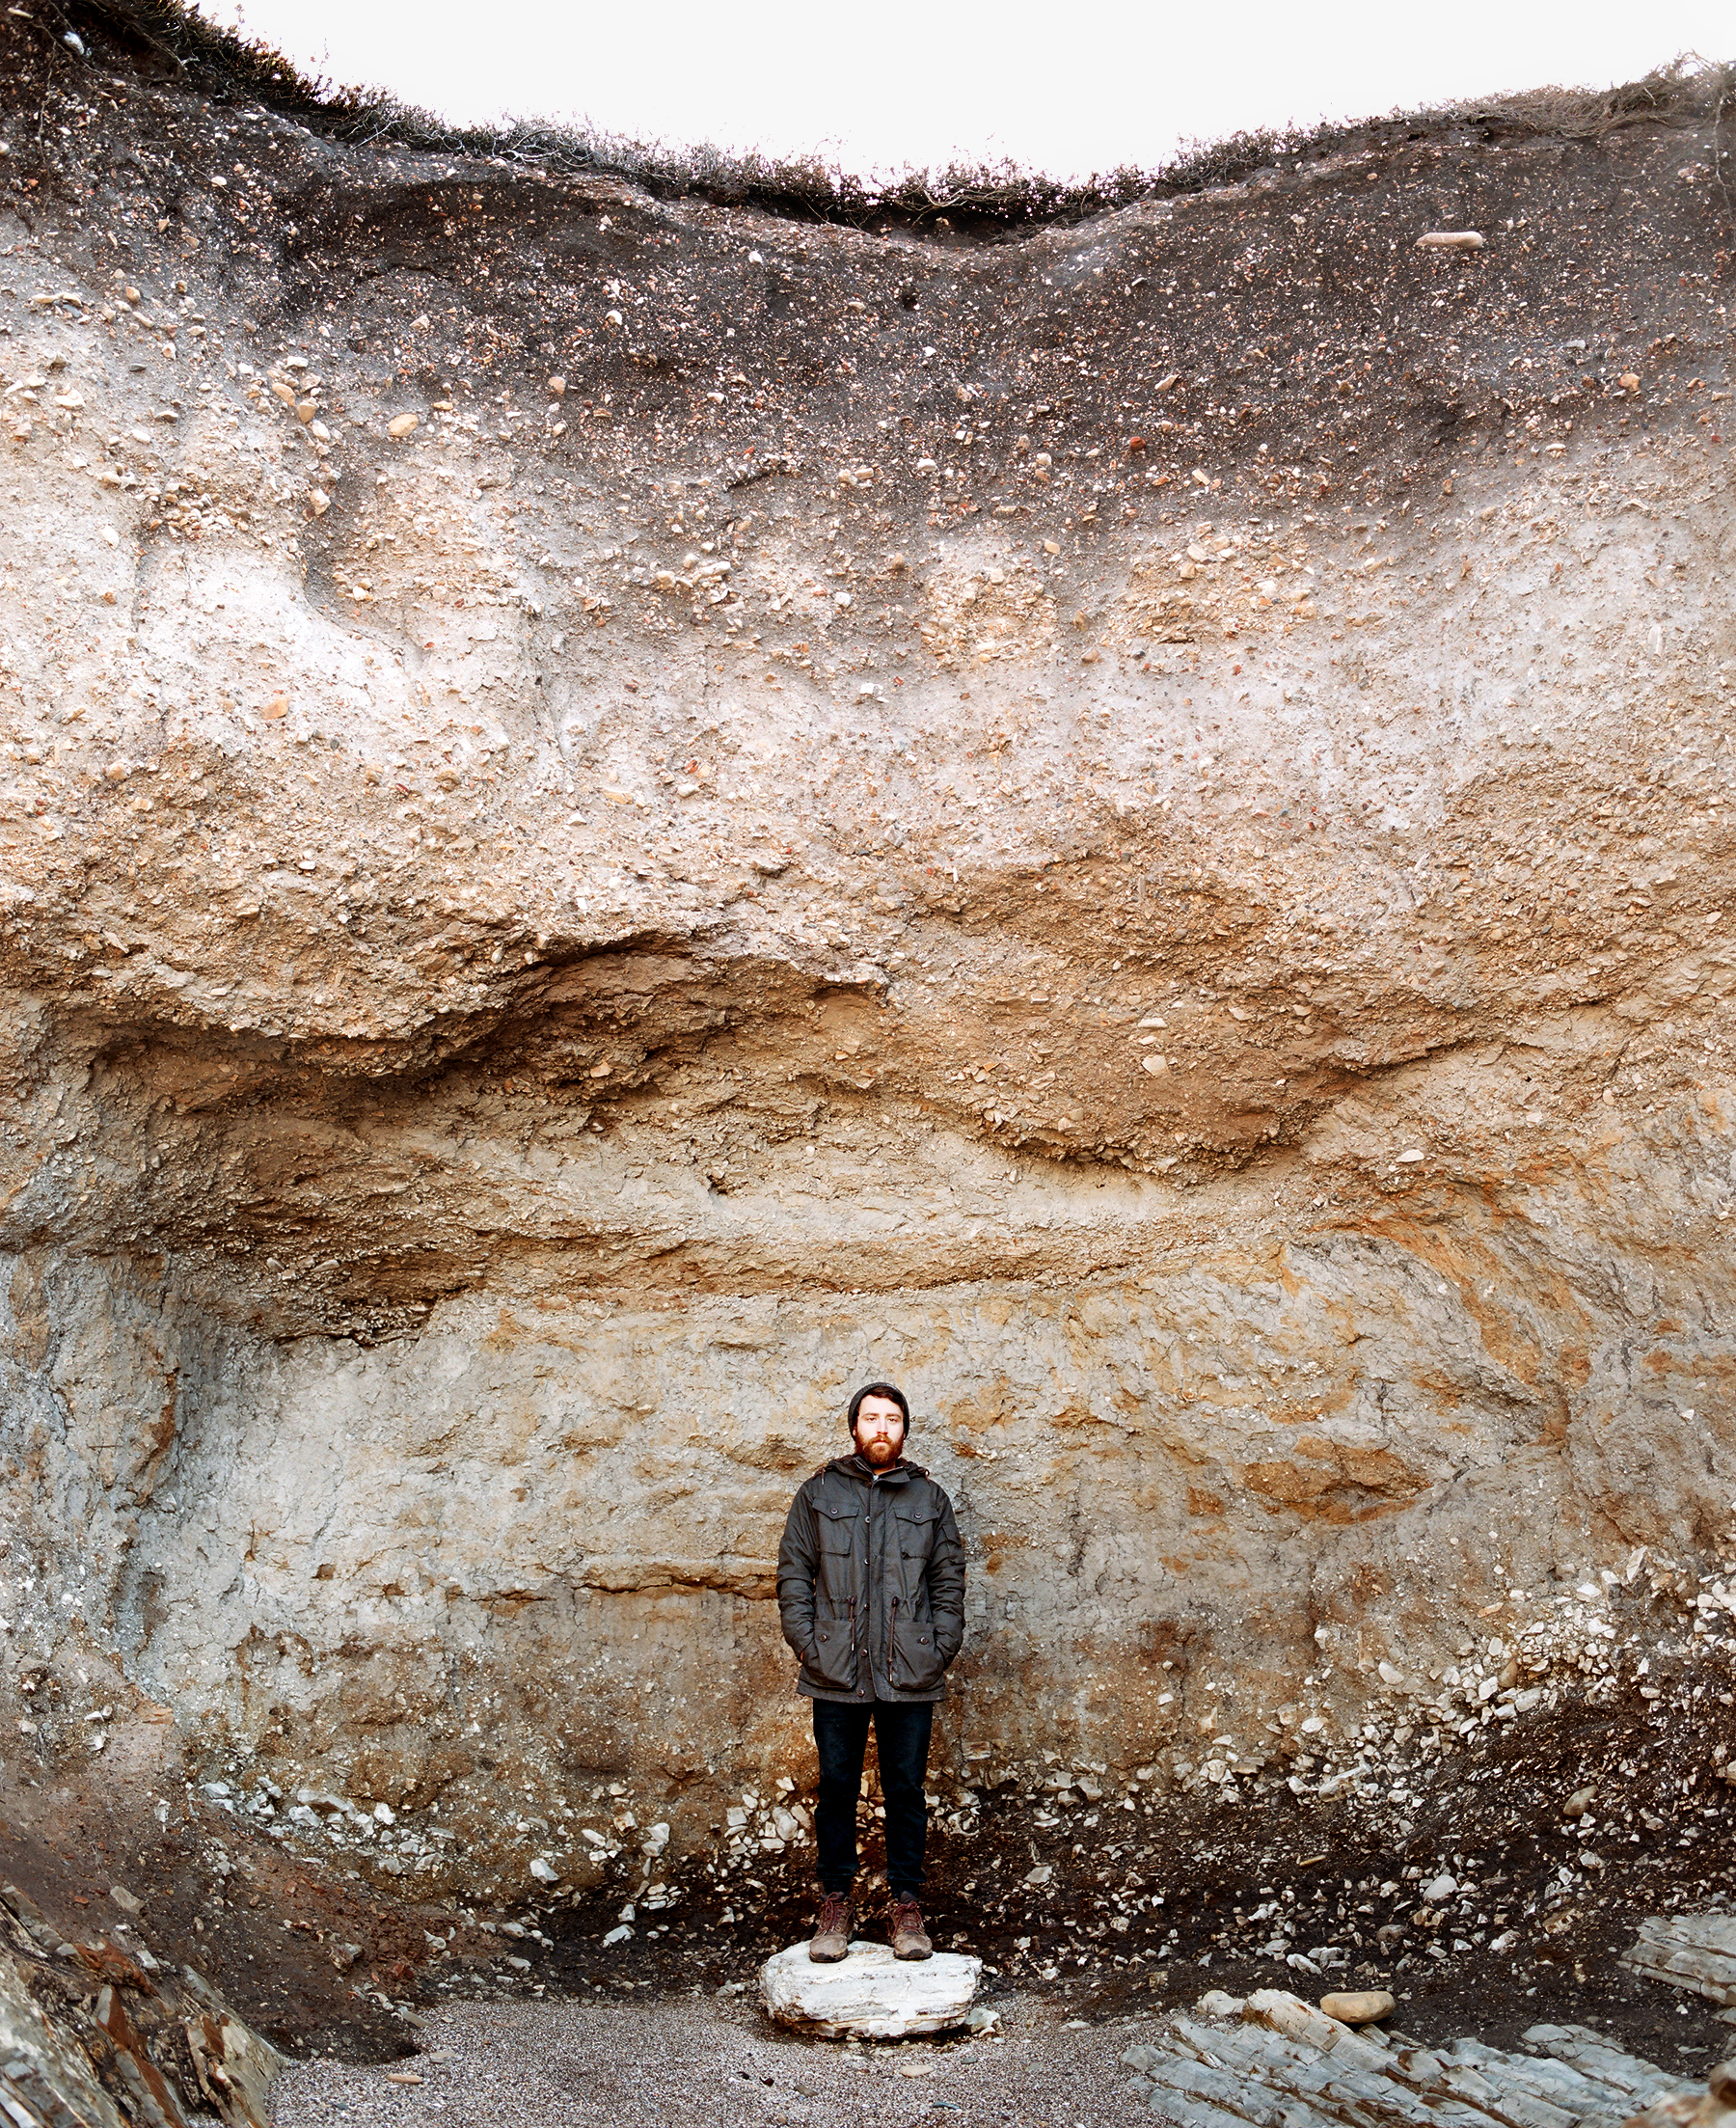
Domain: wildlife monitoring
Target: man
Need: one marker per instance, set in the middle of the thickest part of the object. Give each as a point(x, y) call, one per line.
point(871, 1594)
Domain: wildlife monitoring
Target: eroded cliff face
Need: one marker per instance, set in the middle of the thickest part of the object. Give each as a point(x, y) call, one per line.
point(622, 814)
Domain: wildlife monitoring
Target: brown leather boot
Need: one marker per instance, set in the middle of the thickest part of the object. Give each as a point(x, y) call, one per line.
point(909, 1939)
point(831, 1935)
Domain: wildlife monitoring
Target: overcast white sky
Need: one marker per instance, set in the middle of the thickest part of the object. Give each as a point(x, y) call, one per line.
point(888, 83)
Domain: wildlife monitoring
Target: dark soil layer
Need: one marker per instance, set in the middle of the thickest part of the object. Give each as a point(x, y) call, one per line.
point(1285, 339)
point(1658, 1838)
point(323, 1965)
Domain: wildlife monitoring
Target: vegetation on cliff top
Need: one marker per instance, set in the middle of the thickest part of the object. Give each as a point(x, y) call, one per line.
point(171, 37)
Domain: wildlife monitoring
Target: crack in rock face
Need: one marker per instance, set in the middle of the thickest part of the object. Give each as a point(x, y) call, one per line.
point(621, 814)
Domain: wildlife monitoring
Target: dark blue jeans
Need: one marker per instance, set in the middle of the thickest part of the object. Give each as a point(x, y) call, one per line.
point(901, 1730)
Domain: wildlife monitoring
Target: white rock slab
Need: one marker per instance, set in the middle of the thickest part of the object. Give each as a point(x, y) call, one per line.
point(868, 1995)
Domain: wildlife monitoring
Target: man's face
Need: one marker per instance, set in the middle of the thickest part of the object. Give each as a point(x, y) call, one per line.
point(880, 1431)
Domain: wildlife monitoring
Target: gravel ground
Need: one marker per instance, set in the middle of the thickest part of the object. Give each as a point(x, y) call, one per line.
point(713, 2061)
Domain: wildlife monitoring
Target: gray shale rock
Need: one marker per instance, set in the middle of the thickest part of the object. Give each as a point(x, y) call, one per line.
point(1692, 1950)
point(1715, 2108)
point(90, 2037)
point(1284, 2065)
point(44, 2077)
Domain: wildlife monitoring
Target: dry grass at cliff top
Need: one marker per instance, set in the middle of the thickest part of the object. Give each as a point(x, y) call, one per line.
point(962, 198)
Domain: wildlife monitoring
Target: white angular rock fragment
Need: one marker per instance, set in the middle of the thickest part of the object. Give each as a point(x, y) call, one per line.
point(869, 1994)
point(1217, 2003)
point(1439, 1889)
point(1691, 1951)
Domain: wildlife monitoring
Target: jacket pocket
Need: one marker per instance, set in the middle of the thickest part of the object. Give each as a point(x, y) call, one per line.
point(917, 1664)
point(831, 1656)
point(836, 1571)
point(834, 1528)
point(915, 1529)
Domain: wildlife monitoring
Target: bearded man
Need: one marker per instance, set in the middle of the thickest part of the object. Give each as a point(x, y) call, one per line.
point(871, 1597)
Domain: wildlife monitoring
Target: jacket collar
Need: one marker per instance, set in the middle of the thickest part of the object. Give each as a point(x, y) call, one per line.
point(852, 1466)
